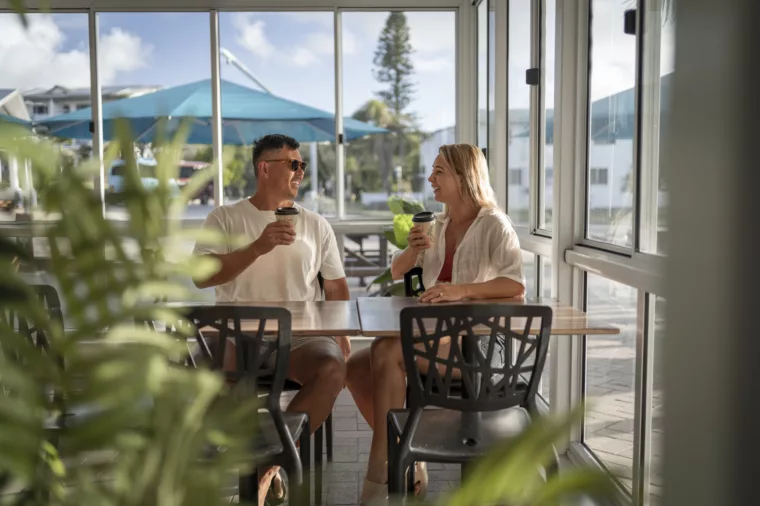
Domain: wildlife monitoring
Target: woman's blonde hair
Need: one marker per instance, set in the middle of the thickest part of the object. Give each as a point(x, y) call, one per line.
point(469, 164)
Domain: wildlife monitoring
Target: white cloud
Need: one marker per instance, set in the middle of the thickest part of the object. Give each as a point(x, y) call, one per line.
point(432, 64)
point(302, 57)
point(250, 35)
point(313, 48)
point(35, 57)
point(121, 51)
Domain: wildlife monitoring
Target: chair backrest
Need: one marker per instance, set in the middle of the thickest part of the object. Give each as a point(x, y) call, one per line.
point(261, 352)
point(490, 362)
point(409, 289)
point(48, 296)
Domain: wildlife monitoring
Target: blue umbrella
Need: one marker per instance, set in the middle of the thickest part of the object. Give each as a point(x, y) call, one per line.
point(4, 118)
point(247, 114)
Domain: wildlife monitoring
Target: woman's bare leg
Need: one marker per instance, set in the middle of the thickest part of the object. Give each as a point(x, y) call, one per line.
point(389, 392)
point(359, 383)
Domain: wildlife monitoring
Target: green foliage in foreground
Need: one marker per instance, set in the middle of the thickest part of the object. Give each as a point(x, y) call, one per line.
point(164, 423)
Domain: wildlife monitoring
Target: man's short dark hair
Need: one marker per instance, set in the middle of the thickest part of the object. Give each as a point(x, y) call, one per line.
point(268, 143)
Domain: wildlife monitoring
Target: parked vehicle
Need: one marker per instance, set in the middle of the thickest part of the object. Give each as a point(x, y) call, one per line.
point(147, 167)
point(187, 169)
point(10, 198)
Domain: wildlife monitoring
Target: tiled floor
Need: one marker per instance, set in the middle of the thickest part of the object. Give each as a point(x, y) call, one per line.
point(343, 478)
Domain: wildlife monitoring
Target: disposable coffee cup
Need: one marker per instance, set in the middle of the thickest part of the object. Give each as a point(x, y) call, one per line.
point(288, 214)
point(425, 220)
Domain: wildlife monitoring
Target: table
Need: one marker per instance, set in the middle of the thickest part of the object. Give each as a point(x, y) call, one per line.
point(308, 319)
point(379, 316)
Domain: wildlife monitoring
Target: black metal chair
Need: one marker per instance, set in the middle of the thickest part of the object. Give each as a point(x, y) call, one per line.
point(261, 356)
point(489, 403)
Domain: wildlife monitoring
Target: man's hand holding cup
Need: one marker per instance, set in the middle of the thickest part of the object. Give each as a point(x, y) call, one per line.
point(278, 233)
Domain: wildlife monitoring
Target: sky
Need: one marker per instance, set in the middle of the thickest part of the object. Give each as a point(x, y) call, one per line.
point(292, 54)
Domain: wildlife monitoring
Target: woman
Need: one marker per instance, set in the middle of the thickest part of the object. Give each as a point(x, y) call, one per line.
point(474, 254)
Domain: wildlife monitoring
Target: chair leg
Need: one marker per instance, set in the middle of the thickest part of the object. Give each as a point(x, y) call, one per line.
point(395, 463)
point(318, 467)
point(305, 451)
point(329, 436)
point(248, 487)
point(410, 479)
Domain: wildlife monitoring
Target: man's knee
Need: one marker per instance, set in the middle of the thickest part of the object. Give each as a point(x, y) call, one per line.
point(330, 373)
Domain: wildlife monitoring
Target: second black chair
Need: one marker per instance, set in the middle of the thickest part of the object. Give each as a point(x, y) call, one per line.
point(492, 401)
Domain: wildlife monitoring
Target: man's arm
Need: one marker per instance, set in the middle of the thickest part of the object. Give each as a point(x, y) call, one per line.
point(337, 289)
point(232, 264)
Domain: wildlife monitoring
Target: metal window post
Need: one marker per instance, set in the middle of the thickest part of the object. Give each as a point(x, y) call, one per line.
point(467, 71)
point(499, 151)
point(216, 110)
point(570, 101)
point(340, 169)
point(96, 100)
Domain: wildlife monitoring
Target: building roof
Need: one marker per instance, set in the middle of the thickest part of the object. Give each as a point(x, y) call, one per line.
point(62, 91)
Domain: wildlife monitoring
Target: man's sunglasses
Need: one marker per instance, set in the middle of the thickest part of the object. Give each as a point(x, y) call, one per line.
point(294, 164)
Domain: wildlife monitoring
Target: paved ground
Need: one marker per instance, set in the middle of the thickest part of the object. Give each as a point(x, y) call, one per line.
point(610, 385)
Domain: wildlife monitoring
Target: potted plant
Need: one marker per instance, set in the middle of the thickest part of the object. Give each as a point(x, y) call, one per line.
point(403, 210)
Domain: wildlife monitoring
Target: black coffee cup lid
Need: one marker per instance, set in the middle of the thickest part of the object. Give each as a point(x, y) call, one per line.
point(424, 216)
point(286, 210)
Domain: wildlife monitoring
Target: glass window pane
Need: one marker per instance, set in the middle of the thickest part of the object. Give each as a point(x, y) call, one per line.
point(146, 59)
point(546, 221)
point(546, 291)
point(611, 125)
point(266, 50)
point(531, 273)
point(519, 112)
point(610, 364)
point(658, 402)
point(546, 277)
point(419, 112)
point(44, 72)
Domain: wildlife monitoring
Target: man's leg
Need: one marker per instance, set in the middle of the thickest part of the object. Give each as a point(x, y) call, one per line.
point(321, 371)
point(319, 368)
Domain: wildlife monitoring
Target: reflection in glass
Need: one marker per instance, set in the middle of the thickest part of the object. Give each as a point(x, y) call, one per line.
point(667, 67)
point(611, 125)
point(610, 361)
point(519, 112)
point(658, 403)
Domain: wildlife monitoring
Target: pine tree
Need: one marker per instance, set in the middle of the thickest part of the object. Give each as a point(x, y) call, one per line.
point(394, 67)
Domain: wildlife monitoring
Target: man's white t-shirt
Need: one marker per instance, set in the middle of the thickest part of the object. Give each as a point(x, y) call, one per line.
point(287, 273)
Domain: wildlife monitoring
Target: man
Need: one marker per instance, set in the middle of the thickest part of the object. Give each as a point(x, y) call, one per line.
point(281, 263)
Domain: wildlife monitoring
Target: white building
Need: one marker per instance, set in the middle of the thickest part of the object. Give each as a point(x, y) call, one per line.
point(47, 102)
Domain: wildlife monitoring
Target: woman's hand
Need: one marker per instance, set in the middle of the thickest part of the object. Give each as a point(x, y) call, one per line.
point(418, 241)
point(445, 292)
